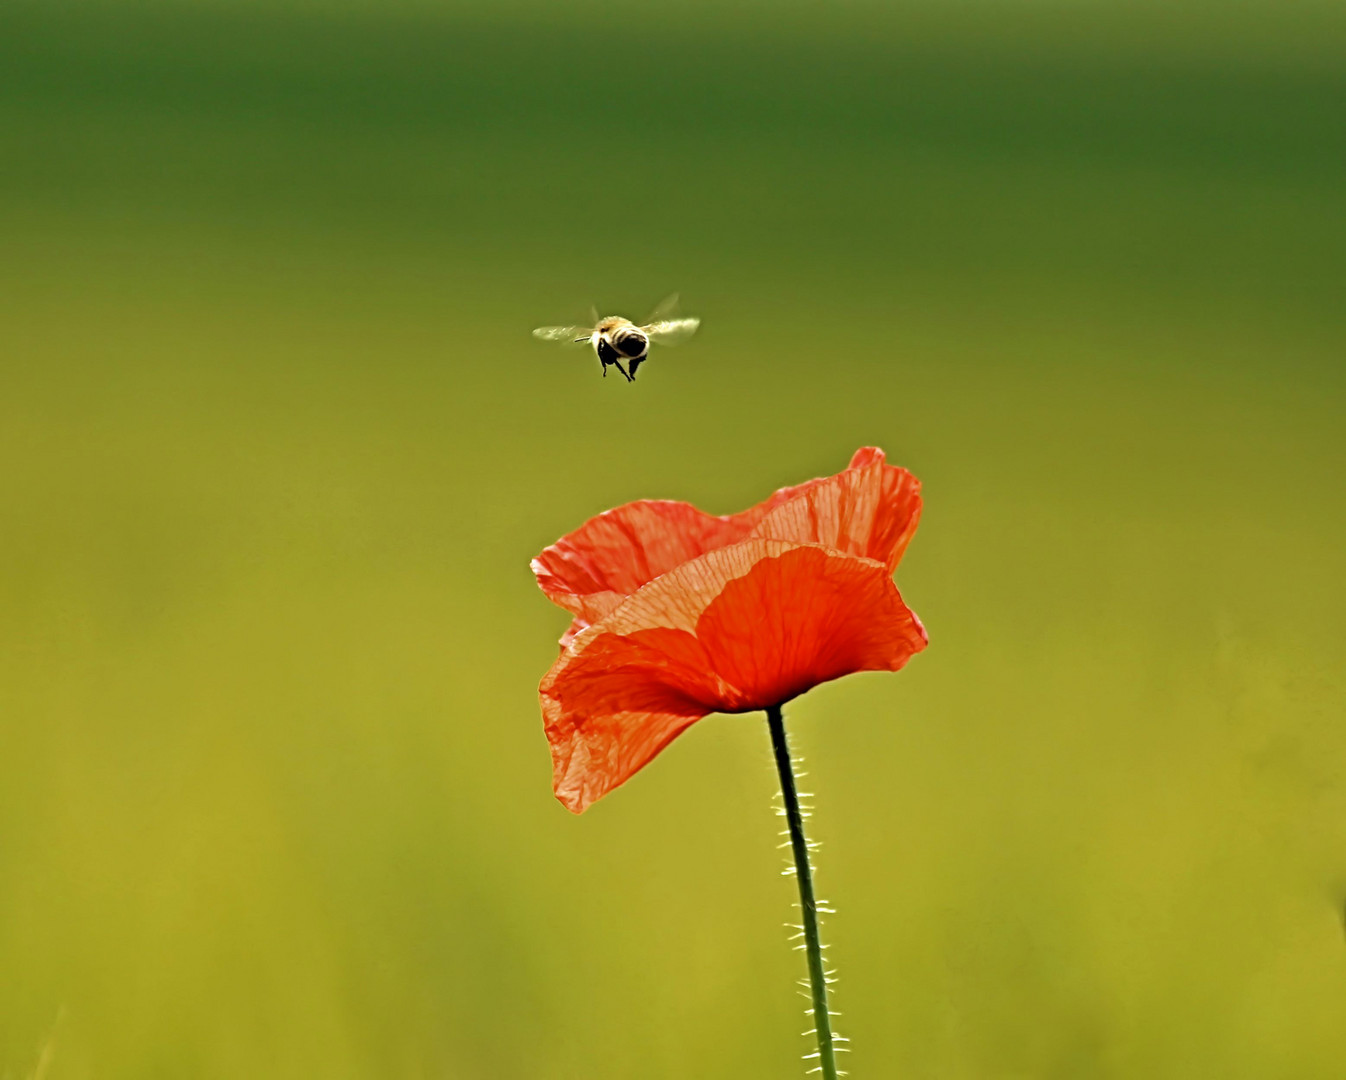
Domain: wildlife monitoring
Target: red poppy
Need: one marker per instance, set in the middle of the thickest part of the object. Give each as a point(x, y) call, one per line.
point(679, 614)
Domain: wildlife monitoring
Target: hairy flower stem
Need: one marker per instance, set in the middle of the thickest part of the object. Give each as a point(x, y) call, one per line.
point(822, 1018)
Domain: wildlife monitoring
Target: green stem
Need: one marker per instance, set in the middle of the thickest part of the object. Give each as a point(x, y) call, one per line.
point(822, 1019)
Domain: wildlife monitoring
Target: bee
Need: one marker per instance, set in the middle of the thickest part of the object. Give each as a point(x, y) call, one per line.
point(615, 339)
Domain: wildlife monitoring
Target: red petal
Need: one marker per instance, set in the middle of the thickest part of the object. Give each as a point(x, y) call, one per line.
point(870, 510)
point(613, 706)
point(805, 617)
point(593, 569)
point(746, 626)
point(867, 455)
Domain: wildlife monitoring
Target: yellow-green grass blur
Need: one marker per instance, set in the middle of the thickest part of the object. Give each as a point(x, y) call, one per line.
point(277, 448)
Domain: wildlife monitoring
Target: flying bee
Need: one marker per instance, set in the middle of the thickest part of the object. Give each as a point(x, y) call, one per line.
point(615, 339)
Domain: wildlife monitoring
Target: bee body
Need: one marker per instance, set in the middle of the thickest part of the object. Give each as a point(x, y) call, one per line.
point(615, 338)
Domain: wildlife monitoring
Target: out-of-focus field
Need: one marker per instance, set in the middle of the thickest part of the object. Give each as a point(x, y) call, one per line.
point(276, 447)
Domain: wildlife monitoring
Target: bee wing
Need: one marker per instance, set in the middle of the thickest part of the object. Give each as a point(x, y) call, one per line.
point(666, 309)
point(564, 335)
point(671, 331)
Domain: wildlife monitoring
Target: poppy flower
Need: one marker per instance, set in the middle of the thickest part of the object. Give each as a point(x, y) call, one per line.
point(679, 613)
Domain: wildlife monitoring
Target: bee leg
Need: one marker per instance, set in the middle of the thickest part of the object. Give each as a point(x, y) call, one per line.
point(623, 370)
point(607, 355)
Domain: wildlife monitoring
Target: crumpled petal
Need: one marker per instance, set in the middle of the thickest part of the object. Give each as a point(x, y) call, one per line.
point(871, 510)
point(740, 628)
point(590, 571)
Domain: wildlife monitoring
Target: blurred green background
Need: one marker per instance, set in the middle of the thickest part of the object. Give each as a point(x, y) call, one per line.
point(277, 448)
